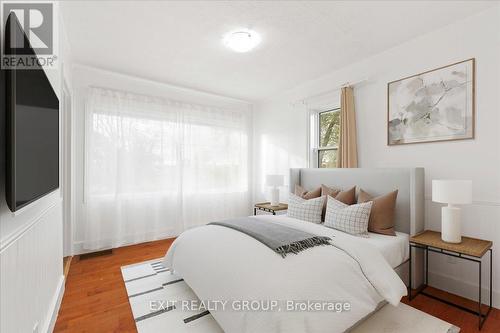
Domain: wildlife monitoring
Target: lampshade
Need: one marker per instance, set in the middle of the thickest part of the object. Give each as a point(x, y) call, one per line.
point(275, 180)
point(452, 191)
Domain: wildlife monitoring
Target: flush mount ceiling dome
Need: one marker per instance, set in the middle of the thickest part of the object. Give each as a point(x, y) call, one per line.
point(242, 40)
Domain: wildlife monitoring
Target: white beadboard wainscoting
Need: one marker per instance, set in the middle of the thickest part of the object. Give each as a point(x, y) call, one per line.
point(32, 280)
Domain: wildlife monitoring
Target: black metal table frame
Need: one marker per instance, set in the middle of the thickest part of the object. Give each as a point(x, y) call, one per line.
point(255, 209)
point(269, 210)
point(421, 290)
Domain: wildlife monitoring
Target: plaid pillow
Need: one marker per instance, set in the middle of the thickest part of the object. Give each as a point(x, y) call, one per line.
point(352, 219)
point(306, 210)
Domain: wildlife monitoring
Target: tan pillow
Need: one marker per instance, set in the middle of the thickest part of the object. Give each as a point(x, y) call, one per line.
point(304, 194)
point(348, 197)
point(382, 214)
point(326, 190)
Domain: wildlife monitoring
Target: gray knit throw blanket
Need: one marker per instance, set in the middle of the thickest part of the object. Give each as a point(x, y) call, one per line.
point(279, 238)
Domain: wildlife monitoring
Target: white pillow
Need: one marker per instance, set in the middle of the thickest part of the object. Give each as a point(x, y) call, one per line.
point(352, 219)
point(306, 210)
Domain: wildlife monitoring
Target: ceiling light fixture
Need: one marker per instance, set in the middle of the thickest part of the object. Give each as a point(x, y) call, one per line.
point(241, 40)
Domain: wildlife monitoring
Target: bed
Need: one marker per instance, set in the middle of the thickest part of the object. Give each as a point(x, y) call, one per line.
point(394, 249)
point(409, 215)
point(222, 264)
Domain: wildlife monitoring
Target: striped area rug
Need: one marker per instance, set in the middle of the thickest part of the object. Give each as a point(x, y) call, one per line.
point(153, 294)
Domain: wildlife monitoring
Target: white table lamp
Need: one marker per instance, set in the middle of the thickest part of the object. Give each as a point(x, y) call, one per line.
point(452, 192)
point(275, 181)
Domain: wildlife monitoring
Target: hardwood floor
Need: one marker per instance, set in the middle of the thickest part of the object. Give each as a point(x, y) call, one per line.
point(95, 299)
point(467, 322)
point(67, 265)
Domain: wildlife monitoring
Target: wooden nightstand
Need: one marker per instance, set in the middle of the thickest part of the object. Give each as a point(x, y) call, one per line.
point(266, 207)
point(471, 249)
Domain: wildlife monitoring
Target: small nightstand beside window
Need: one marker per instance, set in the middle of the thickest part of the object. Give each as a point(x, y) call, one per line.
point(471, 249)
point(267, 207)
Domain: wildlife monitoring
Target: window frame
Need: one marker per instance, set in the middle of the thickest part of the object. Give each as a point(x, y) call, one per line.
point(315, 135)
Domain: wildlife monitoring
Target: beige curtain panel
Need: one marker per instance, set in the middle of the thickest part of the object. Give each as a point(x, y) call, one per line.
point(348, 148)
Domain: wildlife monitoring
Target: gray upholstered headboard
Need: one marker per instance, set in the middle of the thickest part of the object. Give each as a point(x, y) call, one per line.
point(409, 182)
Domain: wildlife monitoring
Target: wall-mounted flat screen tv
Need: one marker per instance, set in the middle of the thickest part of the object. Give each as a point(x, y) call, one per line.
point(32, 128)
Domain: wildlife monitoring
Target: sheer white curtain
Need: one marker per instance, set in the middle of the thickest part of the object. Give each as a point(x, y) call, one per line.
point(156, 167)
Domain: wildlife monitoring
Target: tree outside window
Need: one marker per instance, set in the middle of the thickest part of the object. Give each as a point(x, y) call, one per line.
point(329, 130)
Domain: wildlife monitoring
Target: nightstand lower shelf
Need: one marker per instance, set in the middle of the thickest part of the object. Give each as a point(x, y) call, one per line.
point(421, 290)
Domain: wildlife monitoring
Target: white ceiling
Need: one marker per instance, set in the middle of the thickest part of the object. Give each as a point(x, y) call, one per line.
point(180, 42)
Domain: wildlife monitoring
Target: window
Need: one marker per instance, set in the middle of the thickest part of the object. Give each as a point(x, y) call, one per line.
point(155, 167)
point(326, 129)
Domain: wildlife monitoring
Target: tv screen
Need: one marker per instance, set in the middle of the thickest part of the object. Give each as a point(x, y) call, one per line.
point(32, 130)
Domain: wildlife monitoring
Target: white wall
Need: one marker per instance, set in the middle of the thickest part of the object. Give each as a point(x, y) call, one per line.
point(280, 135)
point(85, 77)
point(31, 250)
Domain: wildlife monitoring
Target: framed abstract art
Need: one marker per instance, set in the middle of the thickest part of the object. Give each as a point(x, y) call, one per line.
point(437, 105)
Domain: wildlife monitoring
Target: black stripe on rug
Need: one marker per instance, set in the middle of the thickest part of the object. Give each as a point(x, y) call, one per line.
point(172, 282)
point(196, 316)
point(162, 270)
point(153, 314)
point(141, 277)
point(146, 292)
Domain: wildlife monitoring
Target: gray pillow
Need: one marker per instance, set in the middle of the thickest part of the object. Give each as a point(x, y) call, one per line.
point(306, 210)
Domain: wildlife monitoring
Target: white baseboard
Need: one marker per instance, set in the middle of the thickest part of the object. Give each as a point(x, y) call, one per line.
point(78, 246)
point(56, 304)
point(465, 289)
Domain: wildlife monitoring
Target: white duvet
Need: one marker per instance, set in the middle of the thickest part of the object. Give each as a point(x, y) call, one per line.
point(222, 264)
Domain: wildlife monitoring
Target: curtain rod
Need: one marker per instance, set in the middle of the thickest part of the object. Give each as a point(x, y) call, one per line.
point(180, 88)
point(171, 99)
point(346, 84)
